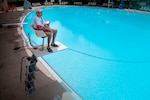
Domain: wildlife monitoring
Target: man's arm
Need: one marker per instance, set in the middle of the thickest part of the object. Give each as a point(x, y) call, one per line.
point(46, 26)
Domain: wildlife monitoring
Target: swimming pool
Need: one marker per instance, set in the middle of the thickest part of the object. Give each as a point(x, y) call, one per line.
point(108, 54)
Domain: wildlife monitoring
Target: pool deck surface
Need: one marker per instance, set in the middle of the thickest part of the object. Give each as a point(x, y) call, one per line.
point(47, 88)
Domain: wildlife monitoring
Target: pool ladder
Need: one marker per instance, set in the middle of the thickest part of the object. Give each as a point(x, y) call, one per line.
point(29, 75)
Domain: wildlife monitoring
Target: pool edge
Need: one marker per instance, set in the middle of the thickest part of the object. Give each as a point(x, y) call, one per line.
point(45, 65)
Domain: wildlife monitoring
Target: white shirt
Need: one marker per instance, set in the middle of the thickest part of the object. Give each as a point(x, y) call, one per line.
point(38, 21)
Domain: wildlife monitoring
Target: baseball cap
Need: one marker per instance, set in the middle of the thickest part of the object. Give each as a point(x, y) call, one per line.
point(39, 10)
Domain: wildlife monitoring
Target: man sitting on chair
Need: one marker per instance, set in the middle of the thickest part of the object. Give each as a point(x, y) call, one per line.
point(41, 24)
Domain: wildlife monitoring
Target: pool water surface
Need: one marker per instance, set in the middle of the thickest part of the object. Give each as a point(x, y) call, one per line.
point(108, 55)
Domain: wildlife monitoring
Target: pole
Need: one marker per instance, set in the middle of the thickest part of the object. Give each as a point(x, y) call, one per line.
point(108, 3)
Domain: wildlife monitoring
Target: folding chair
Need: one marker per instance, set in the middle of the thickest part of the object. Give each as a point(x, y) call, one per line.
point(40, 33)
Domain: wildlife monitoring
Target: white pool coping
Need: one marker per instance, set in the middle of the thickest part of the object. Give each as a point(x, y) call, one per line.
point(38, 52)
point(70, 92)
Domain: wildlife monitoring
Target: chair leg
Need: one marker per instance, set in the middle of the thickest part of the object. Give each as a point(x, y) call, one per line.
point(42, 44)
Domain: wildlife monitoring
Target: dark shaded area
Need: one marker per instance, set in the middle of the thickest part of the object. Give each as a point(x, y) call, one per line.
point(16, 48)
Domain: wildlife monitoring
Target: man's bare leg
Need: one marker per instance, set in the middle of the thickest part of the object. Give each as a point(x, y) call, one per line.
point(54, 35)
point(48, 41)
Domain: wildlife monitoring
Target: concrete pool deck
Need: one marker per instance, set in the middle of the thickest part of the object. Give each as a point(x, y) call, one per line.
point(47, 88)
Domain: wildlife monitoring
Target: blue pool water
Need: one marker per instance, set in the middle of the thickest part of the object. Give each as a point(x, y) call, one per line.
point(108, 55)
